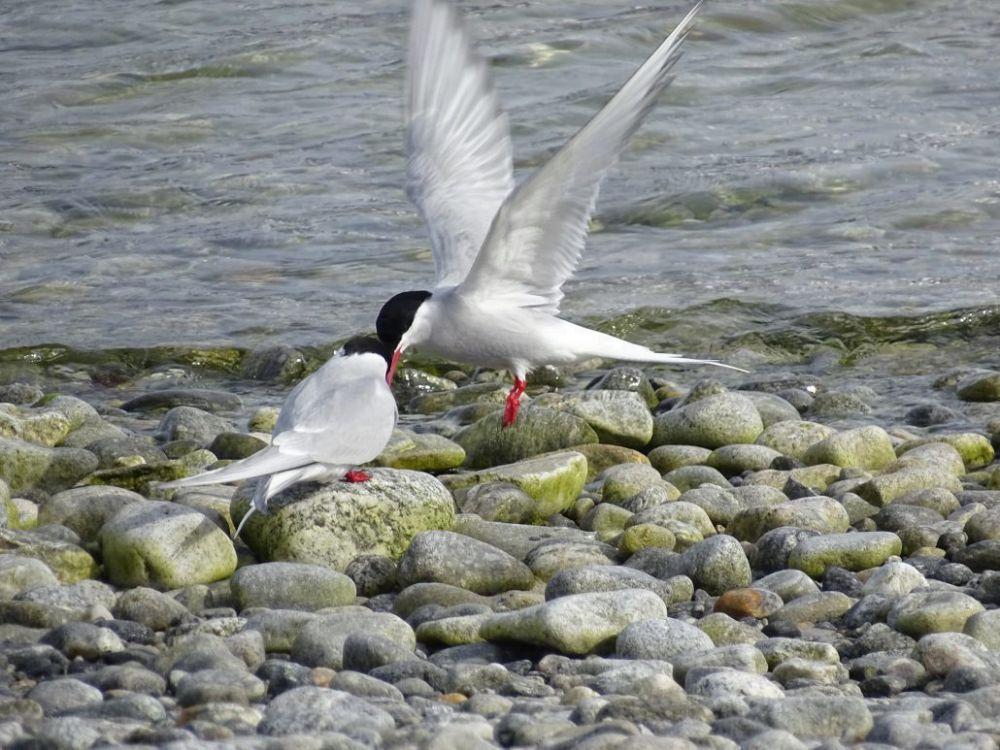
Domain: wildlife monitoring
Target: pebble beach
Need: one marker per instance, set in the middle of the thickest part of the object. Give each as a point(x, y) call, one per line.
point(647, 559)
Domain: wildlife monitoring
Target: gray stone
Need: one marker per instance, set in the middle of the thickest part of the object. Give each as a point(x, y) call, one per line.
point(886, 488)
point(537, 430)
point(597, 578)
point(576, 624)
point(283, 585)
point(86, 509)
point(716, 564)
point(447, 557)
point(151, 608)
point(735, 459)
point(421, 452)
point(190, 423)
point(166, 546)
point(822, 514)
point(618, 417)
point(18, 574)
point(894, 579)
point(664, 639)
point(219, 686)
point(24, 465)
point(331, 524)
point(621, 482)
point(772, 407)
point(84, 640)
point(64, 695)
point(868, 448)
point(320, 641)
point(793, 439)
point(855, 551)
point(710, 422)
point(983, 385)
point(364, 652)
point(170, 398)
point(305, 710)
point(499, 501)
point(720, 685)
point(817, 716)
point(517, 540)
point(921, 612)
point(666, 458)
point(549, 558)
point(788, 584)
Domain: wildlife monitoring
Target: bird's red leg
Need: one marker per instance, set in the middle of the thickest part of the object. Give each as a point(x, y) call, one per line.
point(513, 402)
point(357, 475)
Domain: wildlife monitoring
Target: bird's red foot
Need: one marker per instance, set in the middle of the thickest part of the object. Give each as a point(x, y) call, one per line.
point(356, 475)
point(513, 402)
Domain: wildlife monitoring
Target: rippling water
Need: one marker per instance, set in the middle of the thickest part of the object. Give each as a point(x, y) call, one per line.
point(223, 173)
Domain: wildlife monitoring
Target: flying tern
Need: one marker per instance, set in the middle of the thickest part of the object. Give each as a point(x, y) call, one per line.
point(339, 417)
point(502, 254)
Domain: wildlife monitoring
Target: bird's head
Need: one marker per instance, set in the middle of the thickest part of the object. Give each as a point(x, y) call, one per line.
point(395, 321)
point(366, 345)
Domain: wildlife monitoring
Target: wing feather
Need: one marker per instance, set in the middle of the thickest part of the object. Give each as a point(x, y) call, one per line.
point(538, 235)
point(459, 165)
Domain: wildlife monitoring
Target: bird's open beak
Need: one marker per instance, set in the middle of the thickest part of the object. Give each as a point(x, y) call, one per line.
point(393, 365)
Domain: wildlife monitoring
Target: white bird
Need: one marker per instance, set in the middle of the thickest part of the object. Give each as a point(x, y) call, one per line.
point(503, 254)
point(337, 418)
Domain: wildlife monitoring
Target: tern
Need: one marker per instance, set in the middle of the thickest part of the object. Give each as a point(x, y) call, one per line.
point(502, 254)
point(339, 417)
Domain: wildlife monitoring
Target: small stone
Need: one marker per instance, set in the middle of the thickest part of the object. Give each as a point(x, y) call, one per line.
point(868, 448)
point(689, 477)
point(537, 430)
point(618, 417)
point(235, 445)
point(894, 579)
point(281, 585)
point(421, 452)
point(499, 501)
point(980, 386)
point(86, 509)
point(985, 627)
point(24, 465)
point(373, 574)
point(619, 483)
point(321, 710)
point(794, 439)
point(64, 695)
point(190, 423)
point(446, 557)
point(219, 686)
point(812, 608)
point(212, 401)
point(710, 422)
point(735, 459)
point(19, 573)
point(855, 551)
point(886, 488)
point(320, 641)
point(818, 716)
point(725, 631)
point(749, 602)
point(82, 639)
point(150, 608)
point(644, 535)
point(666, 458)
point(601, 578)
point(663, 639)
point(918, 613)
point(549, 558)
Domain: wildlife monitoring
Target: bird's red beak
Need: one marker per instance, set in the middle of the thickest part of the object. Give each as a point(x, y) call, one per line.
point(393, 365)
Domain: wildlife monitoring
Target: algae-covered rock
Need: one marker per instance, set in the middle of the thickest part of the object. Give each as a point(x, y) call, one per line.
point(735, 459)
point(458, 560)
point(537, 430)
point(554, 480)
point(975, 449)
point(687, 478)
point(142, 477)
point(618, 417)
point(677, 511)
point(856, 551)
point(868, 448)
point(601, 456)
point(934, 455)
point(283, 585)
point(498, 501)
point(619, 483)
point(577, 623)
point(709, 422)
point(69, 562)
point(19, 573)
point(24, 465)
point(320, 641)
point(420, 452)
point(794, 438)
point(165, 546)
point(921, 612)
point(628, 379)
point(980, 386)
point(86, 509)
point(516, 539)
point(717, 564)
point(822, 514)
point(666, 458)
point(234, 446)
point(885, 488)
point(772, 407)
point(190, 423)
point(332, 523)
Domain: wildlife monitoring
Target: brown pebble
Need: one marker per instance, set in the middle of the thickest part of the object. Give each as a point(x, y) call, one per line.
point(747, 602)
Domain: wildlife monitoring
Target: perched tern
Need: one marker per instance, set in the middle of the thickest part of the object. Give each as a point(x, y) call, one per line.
point(337, 418)
point(502, 254)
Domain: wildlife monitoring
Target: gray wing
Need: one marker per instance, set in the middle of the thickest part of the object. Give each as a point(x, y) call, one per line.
point(343, 413)
point(459, 166)
point(538, 236)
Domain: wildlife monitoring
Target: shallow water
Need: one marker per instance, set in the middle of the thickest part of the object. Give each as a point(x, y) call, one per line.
point(228, 174)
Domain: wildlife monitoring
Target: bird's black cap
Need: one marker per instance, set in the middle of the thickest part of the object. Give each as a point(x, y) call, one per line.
point(367, 345)
point(396, 316)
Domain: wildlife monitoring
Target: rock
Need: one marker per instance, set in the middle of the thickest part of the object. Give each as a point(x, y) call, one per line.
point(81, 639)
point(21, 393)
point(628, 379)
point(280, 362)
point(575, 624)
point(664, 639)
point(690, 477)
point(601, 456)
point(918, 613)
point(758, 603)
point(281, 585)
point(86, 509)
point(331, 524)
point(372, 574)
point(550, 557)
point(164, 545)
point(679, 510)
point(725, 631)
point(716, 564)
point(975, 449)
point(202, 399)
point(448, 396)
point(364, 652)
point(219, 686)
point(885, 488)
point(855, 551)
point(983, 385)
point(305, 710)
point(645, 535)
point(666, 458)
point(620, 483)
point(67, 561)
point(788, 584)
point(517, 540)
point(447, 557)
point(935, 455)
point(772, 407)
point(125, 450)
point(618, 417)
point(320, 640)
point(718, 503)
point(190, 423)
point(940, 653)
point(720, 685)
point(794, 439)
point(64, 695)
point(894, 579)
point(710, 422)
point(868, 448)
point(141, 478)
point(822, 514)
point(779, 650)
point(24, 465)
point(817, 717)
point(984, 626)
point(537, 430)
point(741, 656)
point(735, 459)
point(499, 501)
point(19, 573)
point(150, 608)
point(554, 480)
point(235, 445)
point(811, 608)
point(421, 452)
point(981, 556)
point(603, 578)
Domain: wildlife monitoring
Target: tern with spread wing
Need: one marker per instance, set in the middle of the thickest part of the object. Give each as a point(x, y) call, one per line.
point(502, 254)
point(339, 417)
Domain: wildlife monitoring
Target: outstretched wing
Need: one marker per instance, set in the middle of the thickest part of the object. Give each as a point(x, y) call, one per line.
point(459, 167)
point(538, 236)
point(341, 414)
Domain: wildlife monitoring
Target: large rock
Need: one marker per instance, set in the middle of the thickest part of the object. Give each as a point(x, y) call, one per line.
point(446, 557)
point(576, 624)
point(868, 448)
point(664, 639)
point(717, 564)
point(86, 509)
point(312, 710)
point(818, 717)
point(816, 513)
point(710, 422)
point(331, 524)
point(885, 488)
point(320, 640)
point(24, 465)
point(980, 386)
point(856, 551)
point(165, 546)
point(537, 430)
point(975, 449)
point(618, 417)
point(794, 439)
point(554, 480)
point(283, 585)
point(199, 398)
point(420, 451)
point(921, 612)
